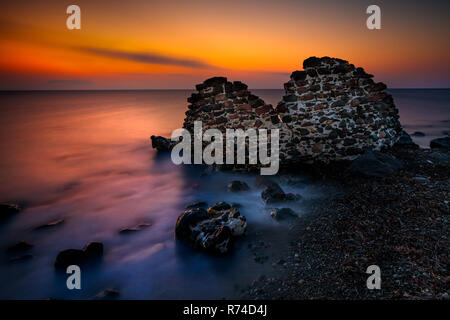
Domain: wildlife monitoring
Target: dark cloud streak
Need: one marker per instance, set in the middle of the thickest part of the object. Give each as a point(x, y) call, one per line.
point(149, 58)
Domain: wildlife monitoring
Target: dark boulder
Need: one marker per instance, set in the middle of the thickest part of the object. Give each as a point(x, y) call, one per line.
point(237, 186)
point(441, 143)
point(418, 134)
point(70, 257)
point(375, 164)
point(162, 144)
point(92, 252)
point(211, 230)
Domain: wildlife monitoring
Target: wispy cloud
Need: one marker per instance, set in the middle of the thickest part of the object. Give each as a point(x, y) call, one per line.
point(70, 82)
point(148, 57)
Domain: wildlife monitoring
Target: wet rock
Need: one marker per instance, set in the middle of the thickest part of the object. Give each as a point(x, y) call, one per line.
point(283, 214)
point(51, 224)
point(162, 144)
point(92, 252)
point(212, 230)
point(20, 246)
point(418, 134)
point(405, 141)
point(196, 204)
point(441, 143)
point(237, 186)
point(70, 257)
point(7, 210)
point(273, 194)
point(134, 229)
point(375, 164)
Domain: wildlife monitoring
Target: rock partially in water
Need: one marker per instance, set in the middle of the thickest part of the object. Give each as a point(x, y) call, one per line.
point(441, 143)
point(211, 230)
point(238, 186)
point(283, 214)
point(273, 194)
point(162, 144)
point(20, 246)
point(108, 294)
point(134, 229)
point(7, 210)
point(50, 224)
point(405, 141)
point(418, 134)
point(375, 164)
point(92, 252)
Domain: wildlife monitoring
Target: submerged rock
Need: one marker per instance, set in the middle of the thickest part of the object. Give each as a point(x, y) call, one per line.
point(441, 143)
point(211, 230)
point(162, 144)
point(273, 194)
point(237, 186)
point(50, 224)
point(375, 164)
point(108, 294)
point(7, 210)
point(92, 252)
point(283, 214)
point(134, 229)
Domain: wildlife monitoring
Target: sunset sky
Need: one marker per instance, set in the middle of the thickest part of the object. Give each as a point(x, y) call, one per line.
point(145, 44)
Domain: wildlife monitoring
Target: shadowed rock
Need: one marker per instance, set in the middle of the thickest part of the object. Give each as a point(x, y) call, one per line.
point(375, 164)
point(237, 186)
point(441, 143)
point(92, 252)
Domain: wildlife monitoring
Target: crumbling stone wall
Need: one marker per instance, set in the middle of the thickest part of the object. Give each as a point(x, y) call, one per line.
point(331, 111)
point(335, 111)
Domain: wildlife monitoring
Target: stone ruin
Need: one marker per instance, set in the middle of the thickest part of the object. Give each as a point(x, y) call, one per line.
point(331, 111)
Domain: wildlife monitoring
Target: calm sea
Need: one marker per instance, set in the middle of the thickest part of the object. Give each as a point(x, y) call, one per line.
point(85, 157)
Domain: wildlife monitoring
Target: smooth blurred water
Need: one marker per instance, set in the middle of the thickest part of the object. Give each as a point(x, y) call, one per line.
point(86, 157)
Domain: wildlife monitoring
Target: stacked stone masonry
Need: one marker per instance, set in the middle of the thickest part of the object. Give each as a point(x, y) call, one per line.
point(330, 111)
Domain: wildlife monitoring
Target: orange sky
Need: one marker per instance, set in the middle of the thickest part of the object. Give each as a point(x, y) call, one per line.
point(175, 44)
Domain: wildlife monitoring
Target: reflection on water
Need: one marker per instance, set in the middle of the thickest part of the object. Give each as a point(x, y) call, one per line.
point(85, 157)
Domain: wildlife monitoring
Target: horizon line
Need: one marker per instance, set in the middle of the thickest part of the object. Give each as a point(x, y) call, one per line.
point(185, 89)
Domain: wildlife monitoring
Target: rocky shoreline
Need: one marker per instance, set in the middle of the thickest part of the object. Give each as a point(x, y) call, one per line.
point(398, 221)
